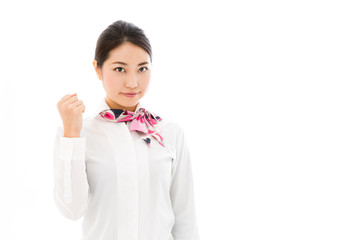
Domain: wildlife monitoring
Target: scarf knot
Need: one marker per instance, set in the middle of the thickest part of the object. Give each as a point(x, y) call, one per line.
point(141, 121)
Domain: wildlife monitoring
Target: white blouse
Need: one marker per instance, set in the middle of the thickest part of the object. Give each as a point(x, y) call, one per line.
point(125, 189)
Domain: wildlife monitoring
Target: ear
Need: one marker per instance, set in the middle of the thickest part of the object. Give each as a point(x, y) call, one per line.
point(97, 70)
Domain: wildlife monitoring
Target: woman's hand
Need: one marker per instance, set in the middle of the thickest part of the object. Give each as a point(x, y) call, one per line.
point(71, 109)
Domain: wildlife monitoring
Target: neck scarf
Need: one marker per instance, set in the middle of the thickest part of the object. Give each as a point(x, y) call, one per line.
point(142, 121)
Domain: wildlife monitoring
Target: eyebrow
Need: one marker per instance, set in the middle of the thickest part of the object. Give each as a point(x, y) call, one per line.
point(143, 63)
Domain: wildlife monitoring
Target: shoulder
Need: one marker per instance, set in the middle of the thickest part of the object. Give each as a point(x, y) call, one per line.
point(172, 132)
point(92, 124)
point(170, 127)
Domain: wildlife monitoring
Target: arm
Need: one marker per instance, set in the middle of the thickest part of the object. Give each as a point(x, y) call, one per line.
point(182, 194)
point(70, 179)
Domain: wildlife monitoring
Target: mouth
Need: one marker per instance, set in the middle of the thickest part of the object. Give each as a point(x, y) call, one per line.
point(130, 94)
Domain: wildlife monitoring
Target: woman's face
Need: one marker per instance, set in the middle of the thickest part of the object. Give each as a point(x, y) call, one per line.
point(132, 75)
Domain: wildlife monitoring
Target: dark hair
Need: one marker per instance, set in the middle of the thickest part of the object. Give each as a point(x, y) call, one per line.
point(116, 34)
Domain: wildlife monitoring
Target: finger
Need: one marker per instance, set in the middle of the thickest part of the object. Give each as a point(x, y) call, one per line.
point(65, 98)
point(77, 103)
point(72, 100)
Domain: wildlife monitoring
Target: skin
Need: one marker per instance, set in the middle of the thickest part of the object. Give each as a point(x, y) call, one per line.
point(118, 78)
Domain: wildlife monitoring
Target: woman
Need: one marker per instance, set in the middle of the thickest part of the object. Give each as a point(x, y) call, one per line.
point(125, 169)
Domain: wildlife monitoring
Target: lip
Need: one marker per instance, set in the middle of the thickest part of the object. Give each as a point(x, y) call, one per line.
point(130, 94)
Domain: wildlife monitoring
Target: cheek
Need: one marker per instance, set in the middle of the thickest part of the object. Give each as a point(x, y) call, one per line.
point(111, 81)
point(145, 83)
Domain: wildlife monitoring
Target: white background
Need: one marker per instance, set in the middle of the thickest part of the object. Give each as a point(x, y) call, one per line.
point(267, 92)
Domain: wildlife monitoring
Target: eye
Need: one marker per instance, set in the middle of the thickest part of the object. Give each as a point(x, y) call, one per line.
point(143, 67)
point(117, 68)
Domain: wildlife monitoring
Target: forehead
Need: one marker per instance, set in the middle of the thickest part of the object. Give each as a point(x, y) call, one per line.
point(129, 53)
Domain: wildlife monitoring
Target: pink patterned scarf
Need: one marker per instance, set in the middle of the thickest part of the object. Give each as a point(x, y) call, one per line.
point(141, 121)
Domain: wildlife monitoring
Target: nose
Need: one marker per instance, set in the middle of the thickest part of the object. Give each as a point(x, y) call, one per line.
point(131, 81)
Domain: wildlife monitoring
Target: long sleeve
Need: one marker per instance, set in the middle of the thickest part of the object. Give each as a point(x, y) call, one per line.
point(182, 194)
point(70, 179)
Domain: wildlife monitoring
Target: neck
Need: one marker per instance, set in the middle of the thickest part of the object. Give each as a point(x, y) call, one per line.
point(115, 105)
